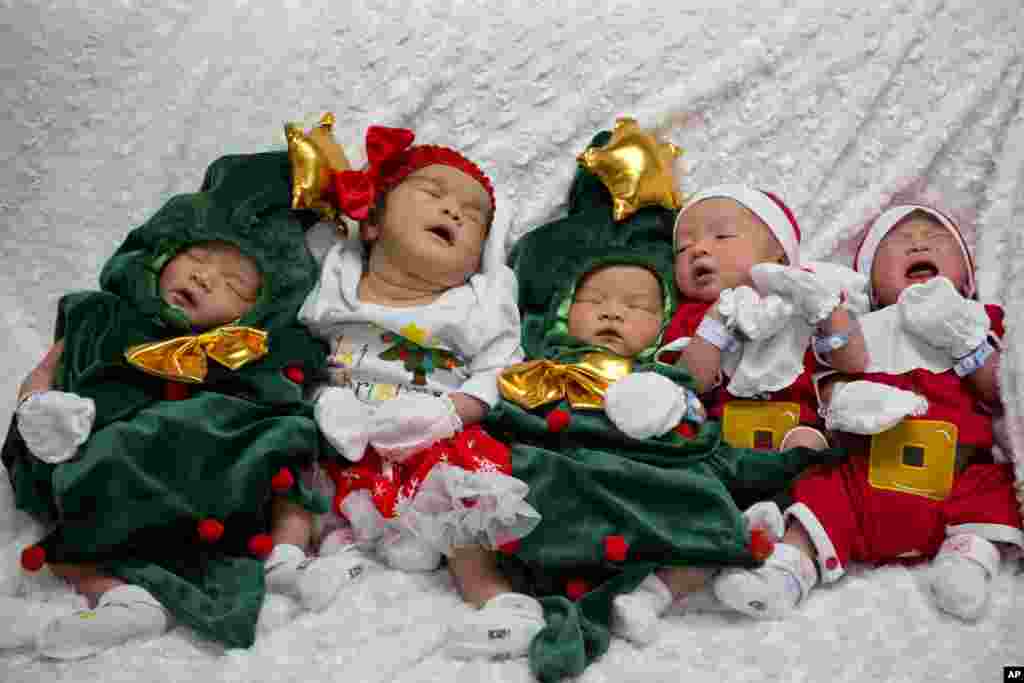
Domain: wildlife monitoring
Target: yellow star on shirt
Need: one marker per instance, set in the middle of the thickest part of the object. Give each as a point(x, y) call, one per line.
point(636, 169)
point(415, 334)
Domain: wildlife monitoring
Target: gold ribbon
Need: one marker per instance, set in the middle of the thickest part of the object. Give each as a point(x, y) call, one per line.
point(584, 384)
point(183, 359)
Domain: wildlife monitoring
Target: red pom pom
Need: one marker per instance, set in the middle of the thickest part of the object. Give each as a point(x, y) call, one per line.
point(282, 481)
point(761, 544)
point(295, 373)
point(176, 391)
point(510, 548)
point(210, 530)
point(558, 420)
point(685, 430)
point(33, 558)
point(576, 588)
point(261, 545)
point(615, 548)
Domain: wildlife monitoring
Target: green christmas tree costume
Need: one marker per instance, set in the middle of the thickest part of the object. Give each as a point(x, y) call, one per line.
point(667, 500)
point(163, 455)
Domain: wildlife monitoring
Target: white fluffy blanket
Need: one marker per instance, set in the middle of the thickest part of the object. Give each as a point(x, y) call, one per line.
point(113, 106)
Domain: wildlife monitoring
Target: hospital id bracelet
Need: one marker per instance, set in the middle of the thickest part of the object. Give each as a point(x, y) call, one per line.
point(832, 342)
point(975, 360)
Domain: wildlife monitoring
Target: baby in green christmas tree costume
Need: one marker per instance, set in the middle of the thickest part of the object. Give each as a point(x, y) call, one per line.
point(170, 411)
point(629, 479)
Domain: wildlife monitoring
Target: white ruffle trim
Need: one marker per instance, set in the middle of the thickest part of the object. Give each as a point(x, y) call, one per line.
point(455, 507)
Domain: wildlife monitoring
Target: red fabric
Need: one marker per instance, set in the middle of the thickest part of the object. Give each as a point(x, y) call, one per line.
point(949, 397)
point(472, 449)
point(390, 158)
point(684, 324)
point(867, 524)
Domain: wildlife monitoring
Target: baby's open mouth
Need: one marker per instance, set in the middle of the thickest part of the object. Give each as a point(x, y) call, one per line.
point(921, 270)
point(608, 333)
point(702, 273)
point(444, 232)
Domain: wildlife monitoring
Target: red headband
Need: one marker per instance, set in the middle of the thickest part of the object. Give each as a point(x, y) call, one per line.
point(389, 159)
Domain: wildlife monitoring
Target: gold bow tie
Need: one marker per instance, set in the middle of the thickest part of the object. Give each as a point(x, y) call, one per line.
point(584, 384)
point(183, 359)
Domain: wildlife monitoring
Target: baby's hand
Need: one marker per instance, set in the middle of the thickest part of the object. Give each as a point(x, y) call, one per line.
point(756, 317)
point(43, 375)
point(813, 297)
point(646, 404)
point(939, 315)
point(412, 422)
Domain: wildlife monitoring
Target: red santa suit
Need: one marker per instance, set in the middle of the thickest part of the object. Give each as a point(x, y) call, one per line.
point(848, 518)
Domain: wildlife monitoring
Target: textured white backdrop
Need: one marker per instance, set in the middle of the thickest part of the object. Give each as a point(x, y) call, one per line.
point(112, 107)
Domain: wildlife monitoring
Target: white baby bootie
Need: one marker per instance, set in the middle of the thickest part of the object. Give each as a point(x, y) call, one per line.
point(635, 615)
point(961, 574)
point(503, 627)
point(773, 589)
point(314, 581)
point(122, 614)
point(22, 620)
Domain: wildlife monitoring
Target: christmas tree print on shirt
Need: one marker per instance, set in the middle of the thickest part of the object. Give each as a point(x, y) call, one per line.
point(411, 348)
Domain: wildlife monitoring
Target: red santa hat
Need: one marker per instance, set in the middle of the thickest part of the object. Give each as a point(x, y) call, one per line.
point(865, 257)
point(765, 205)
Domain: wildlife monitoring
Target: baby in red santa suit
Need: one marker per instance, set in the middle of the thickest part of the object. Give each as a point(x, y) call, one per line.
point(752, 319)
point(921, 480)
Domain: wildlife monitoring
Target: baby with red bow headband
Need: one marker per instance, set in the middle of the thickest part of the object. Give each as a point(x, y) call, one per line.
point(420, 314)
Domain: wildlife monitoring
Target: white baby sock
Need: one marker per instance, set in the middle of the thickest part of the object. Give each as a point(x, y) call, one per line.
point(961, 574)
point(22, 620)
point(314, 581)
point(503, 627)
point(635, 615)
point(771, 590)
point(124, 613)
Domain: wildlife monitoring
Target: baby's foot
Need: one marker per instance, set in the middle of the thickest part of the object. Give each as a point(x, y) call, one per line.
point(503, 627)
point(961, 574)
point(773, 589)
point(314, 581)
point(124, 613)
point(635, 615)
point(22, 620)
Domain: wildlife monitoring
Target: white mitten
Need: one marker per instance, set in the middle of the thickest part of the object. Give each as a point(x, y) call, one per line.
point(843, 279)
point(412, 422)
point(646, 404)
point(55, 423)
point(755, 316)
point(941, 316)
point(864, 407)
point(344, 421)
point(814, 297)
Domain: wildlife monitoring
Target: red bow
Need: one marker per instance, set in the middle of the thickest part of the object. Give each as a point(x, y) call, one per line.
point(357, 190)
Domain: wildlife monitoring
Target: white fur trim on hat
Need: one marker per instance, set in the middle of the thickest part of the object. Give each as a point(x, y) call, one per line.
point(865, 258)
point(765, 207)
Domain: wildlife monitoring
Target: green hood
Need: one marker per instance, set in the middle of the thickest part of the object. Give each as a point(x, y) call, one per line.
point(552, 259)
point(244, 200)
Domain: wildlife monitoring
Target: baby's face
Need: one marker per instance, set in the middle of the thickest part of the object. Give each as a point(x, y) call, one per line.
point(434, 223)
point(212, 283)
point(717, 242)
point(914, 251)
point(619, 308)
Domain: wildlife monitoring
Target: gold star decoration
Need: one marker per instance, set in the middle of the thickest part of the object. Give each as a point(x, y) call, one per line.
point(636, 168)
point(315, 157)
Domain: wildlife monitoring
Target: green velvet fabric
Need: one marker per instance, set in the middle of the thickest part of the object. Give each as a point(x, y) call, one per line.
point(152, 468)
point(670, 498)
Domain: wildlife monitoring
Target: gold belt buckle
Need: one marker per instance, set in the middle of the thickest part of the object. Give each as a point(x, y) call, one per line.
point(758, 424)
point(916, 456)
